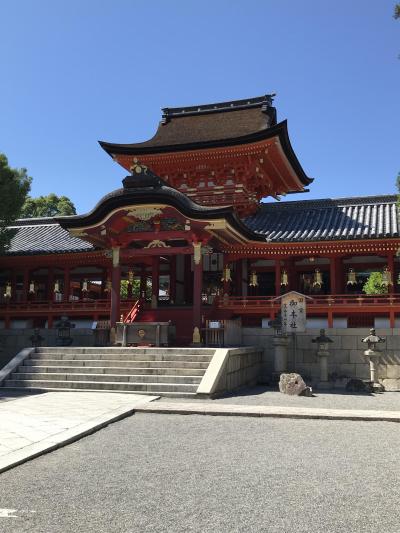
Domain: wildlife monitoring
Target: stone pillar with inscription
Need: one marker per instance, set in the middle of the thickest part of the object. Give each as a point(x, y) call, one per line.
point(294, 317)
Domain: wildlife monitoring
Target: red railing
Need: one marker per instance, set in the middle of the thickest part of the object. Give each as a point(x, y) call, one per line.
point(326, 300)
point(75, 306)
point(133, 313)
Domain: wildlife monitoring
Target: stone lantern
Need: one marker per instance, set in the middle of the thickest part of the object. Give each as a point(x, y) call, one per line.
point(36, 339)
point(373, 354)
point(280, 342)
point(323, 353)
point(64, 331)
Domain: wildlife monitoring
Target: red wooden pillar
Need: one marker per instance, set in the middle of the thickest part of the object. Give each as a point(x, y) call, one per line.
point(50, 285)
point(339, 276)
point(25, 285)
point(225, 285)
point(245, 277)
point(390, 260)
point(130, 285)
point(172, 279)
point(115, 287)
point(238, 277)
point(277, 277)
point(143, 282)
point(155, 282)
point(67, 284)
point(14, 286)
point(187, 279)
point(332, 275)
point(197, 288)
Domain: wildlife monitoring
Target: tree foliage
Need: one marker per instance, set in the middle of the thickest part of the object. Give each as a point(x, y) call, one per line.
point(48, 206)
point(374, 284)
point(135, 288)
point(15, 184)
point(396, 11)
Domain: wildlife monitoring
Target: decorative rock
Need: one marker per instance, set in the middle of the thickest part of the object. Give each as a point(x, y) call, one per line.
point(358, 385)
point(293, 384)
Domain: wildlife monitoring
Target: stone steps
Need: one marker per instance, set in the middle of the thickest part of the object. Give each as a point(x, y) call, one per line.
point(158, 371)
point(152, 388)
point(128, 371)
point(141, 378)
point(117, 364)
point(122, 357)
point(125, 351)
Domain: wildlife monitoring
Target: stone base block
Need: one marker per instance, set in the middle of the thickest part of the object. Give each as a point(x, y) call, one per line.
point(391, 385)
point(324, 385)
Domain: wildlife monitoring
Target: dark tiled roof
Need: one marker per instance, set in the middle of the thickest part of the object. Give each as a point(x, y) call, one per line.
point(151, 189)
point(43, 236)
point(370, 217)
point(206, 123)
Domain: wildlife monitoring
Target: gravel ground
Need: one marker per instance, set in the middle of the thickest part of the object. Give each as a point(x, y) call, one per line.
point(183, 474)
point(388, 401)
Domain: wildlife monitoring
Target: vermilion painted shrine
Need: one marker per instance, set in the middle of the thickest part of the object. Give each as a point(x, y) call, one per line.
point(188, 240)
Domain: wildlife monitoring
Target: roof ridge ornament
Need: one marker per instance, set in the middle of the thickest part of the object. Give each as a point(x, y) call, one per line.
point(264, 102)
point(137, 167)
point(141, 176)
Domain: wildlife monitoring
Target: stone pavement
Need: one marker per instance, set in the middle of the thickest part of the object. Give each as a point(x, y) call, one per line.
point(33, 424)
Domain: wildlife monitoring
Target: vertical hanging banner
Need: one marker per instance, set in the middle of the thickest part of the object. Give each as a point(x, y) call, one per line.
point(294, 312)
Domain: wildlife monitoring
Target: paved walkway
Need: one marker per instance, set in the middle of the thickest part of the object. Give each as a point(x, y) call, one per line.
point(33, 424)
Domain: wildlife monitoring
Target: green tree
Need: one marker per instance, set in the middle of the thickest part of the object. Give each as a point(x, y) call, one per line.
point(48, 206)
point(396, 11)
point(135, 288)
point(374, 284)
point(15, 184)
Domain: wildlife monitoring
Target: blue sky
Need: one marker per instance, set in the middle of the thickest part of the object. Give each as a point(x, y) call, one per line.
point(80, 71)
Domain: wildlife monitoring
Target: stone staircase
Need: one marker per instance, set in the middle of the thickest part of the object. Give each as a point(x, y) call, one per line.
point(156, 371)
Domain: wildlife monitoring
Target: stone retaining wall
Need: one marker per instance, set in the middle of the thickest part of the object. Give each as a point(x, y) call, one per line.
point(230, 369)
point(12, 341)
point(346, 354)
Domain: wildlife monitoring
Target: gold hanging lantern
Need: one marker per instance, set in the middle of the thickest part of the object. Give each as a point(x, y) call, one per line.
point(386, 277)
point(226, 274)
point(32, 288)
point(107, 288)
point(57, 287)
point(351, 277)
point(317, 278)
point(8, 292)
point(85, 286)
point(284, 279)
point(131, 276)
point(253, 279)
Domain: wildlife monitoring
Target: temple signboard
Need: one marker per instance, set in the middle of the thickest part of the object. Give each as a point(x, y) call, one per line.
point(294, 312)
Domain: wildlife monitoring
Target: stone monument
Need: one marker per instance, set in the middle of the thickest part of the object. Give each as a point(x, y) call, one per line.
point(280, 342)
point(373, 354)
point(323, 353)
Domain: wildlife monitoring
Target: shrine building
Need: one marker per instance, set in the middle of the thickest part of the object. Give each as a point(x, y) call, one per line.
point(188, 238)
